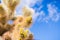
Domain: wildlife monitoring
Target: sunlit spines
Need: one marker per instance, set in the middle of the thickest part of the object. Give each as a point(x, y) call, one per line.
point(28, 21)
point(11, 4)
point(27, 11)
point(21, 23)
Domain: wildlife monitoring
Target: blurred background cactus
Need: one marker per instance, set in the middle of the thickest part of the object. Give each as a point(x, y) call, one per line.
point(18, 30)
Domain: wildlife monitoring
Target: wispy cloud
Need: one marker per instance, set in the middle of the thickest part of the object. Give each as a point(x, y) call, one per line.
point(53, 12)
point(41, 16)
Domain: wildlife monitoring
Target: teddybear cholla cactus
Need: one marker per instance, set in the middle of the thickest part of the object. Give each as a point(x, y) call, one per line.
point(22, 23)
point(6, 14)
point(19, 29)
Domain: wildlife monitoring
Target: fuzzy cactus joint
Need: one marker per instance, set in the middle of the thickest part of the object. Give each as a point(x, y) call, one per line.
point(19, 29)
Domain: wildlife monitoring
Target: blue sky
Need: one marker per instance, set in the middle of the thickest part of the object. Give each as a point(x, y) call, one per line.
point(48, 27)
point(46, 18)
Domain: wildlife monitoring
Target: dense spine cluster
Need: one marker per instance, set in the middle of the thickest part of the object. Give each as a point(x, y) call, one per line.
point(19, 29)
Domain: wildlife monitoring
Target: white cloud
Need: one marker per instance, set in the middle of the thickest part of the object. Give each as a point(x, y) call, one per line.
point(38, 16)
point(53, 12)
point(46, 19)
point(41, 15)
point(35, 16)
point(30, 2)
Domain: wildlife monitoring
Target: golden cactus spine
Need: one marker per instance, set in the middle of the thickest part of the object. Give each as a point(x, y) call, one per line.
point(19, 29)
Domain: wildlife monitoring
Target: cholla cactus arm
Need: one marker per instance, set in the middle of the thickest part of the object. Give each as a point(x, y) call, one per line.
point(28, 20)
point(23, 33)
point(3, 15)
point(27, 11)
point(26, 33)
point(6, 36)
point(30, 37)
point(18, 19)
point(12, 4)
point(3, 19)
